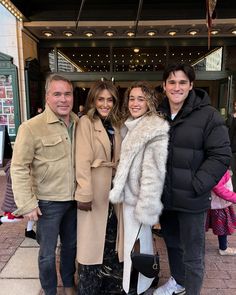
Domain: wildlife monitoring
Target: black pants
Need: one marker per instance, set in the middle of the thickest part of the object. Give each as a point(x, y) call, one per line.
point(103, 278)
point(184, 235)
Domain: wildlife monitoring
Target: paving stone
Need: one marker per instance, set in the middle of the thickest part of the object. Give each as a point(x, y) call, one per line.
point(23, 264)
point(20, 287)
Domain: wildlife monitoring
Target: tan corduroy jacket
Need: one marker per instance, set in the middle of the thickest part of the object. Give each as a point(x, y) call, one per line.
point(43, 162)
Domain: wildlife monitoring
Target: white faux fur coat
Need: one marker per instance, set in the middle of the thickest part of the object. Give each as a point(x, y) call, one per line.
point(138, 184)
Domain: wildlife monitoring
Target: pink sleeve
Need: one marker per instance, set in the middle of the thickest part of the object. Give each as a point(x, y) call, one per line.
point(222, 191)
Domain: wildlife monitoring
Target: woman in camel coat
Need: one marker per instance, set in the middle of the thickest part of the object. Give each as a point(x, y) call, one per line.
point(99, 222)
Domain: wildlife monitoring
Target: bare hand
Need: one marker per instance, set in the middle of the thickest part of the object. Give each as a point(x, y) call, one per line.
point(84, 206)
point(34, 214)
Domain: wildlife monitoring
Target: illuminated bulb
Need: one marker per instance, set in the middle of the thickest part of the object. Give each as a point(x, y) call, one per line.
point(68, 34)
point(130, 34)
point(193, 33)
point(109, 34)
point(48, 34)
point(89, 34)
point(172, 33)
point(151, 33)
point(214, 32)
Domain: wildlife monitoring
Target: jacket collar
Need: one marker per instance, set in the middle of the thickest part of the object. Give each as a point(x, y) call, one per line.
point(146, 129)
point(196, 99)
point(51, 117)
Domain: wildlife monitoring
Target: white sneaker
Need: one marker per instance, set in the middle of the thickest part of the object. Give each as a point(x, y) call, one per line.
point(228, 251)
point(170, 288)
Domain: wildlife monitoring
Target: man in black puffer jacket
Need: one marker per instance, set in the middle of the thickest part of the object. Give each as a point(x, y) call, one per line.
point(199, 155)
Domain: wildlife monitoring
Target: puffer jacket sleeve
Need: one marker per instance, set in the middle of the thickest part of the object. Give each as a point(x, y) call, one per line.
point(84, 158)
point(149, 205)
point(218, 155)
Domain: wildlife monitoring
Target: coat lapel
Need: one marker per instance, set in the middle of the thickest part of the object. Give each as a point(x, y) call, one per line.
point(103, 138)
point(117, 145)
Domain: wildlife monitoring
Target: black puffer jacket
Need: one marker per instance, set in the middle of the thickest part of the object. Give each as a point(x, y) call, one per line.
point(199, 153)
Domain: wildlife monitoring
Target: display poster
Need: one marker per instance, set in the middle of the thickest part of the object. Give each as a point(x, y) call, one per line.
point(2, 144)
point(6, 104)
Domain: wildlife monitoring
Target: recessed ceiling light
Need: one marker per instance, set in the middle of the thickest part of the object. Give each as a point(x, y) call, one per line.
point(151, 33)
point(172, 33)
point(136, 50)
point(89, 34)
point(48, 34)
point(214, 32)
point(68, 33)
point(233, 31)
point(193, 32)
point(130, 33)
point(109, 33)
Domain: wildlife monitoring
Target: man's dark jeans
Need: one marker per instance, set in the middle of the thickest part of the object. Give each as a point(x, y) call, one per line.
point(184, 235)
point(58, 219)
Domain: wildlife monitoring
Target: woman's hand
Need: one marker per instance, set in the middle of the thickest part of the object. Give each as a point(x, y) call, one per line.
point(84, 206)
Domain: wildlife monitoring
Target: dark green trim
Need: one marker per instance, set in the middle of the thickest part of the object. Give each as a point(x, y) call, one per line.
point(8, 68)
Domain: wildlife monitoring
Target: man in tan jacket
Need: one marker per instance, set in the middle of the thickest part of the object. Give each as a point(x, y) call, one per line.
point(44, 182)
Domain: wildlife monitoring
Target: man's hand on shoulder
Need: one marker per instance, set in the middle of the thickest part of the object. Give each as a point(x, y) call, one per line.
point(34, 214)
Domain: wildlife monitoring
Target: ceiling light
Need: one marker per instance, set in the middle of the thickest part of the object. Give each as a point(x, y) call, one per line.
point(233, 31)
point(89, 34)
point(48, 34)
point(109, 33)
point(130, 33)
point(136, 50)
point(193, 32)
point(12, 9)
point(214, 32)
point(68, 33)
point(172, 33)
point(151, 33)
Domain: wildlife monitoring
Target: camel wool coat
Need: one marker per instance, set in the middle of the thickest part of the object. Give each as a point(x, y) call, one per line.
point(94, 170)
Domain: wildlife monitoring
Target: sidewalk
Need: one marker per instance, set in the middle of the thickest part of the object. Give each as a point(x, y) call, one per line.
point(19, 271)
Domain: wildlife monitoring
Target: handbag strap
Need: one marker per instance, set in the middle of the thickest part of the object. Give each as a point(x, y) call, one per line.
point(154, 244)
point(136, 237)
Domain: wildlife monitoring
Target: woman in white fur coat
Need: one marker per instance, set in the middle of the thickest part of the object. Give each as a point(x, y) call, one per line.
point(140, 176)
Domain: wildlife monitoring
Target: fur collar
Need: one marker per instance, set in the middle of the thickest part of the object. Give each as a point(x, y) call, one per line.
point(146, 129)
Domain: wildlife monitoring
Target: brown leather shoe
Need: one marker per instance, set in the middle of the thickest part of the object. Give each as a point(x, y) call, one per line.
point(69, 291)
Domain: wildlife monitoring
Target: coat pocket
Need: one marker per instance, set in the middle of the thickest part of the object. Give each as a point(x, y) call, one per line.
point(53, 148)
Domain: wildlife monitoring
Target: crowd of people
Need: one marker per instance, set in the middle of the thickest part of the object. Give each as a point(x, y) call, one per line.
point(100, 181)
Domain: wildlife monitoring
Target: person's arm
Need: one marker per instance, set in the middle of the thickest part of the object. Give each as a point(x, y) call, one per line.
point(23, 155)
point(34, 214)
point(222, 191)
point(84, 158)
point(149, 205)
point(217, 155)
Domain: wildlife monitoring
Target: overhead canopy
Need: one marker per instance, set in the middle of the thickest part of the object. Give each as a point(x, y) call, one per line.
point(122, 15)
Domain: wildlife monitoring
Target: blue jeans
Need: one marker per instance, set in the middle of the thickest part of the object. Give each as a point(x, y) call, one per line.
point(184, 235)
point(58, 219)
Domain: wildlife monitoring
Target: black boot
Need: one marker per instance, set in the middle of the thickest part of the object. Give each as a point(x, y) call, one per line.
point(30, 234)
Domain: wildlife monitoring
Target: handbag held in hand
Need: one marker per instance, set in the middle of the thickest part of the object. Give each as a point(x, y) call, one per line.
point(146, 264)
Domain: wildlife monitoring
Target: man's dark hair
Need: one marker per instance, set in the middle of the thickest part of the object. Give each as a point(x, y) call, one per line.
point(186, 68)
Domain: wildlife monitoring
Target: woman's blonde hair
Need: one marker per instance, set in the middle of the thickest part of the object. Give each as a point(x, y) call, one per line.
point(149, 93)
point(90, 108)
